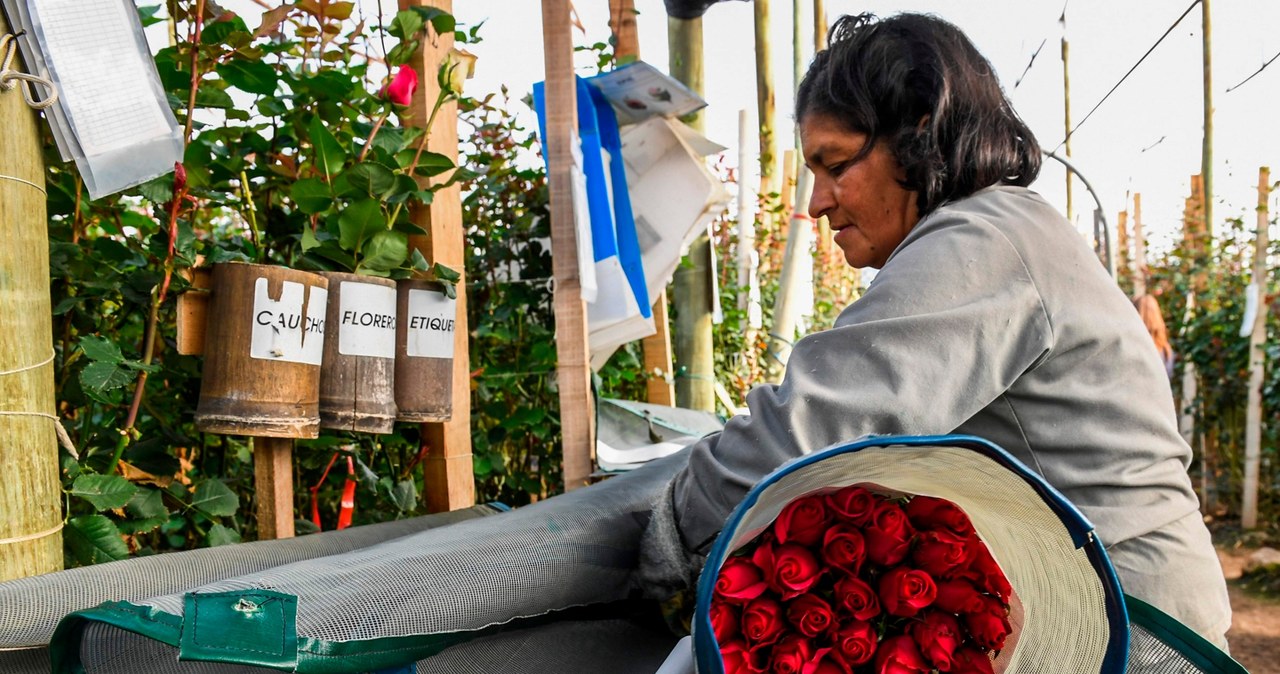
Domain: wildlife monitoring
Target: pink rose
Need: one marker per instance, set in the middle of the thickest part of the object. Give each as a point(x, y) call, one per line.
point(802, 521)
point(400, 90)
point(905, 592)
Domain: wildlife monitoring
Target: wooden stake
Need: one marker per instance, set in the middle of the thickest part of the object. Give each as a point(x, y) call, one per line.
point(819, 25)
point(30, 494)
point(1122, 243)
point(1066, 111)
point(447, 470)
point(1139, 262)
point(1206, 154)
point(573, 374)
point(273, 487)
point(626, 39)
point(764, 100)
point(1257, 360)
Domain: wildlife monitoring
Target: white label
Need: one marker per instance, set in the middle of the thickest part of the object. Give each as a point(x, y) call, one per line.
point(281, 331)
point(430, 324)
point(367, 324)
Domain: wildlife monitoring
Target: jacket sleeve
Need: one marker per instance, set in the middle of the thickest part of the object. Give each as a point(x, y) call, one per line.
point(948, 325)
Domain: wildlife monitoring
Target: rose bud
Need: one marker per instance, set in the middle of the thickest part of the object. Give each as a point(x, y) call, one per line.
point(811, 615)
point(957, 596)
point(400, 90)
point(854, 505)
point(905, 592)
point(857, 598)
point(889, 535)
point(735, 658)
point(940, 553)
point(856, 642)
point(985, 572)
point(724, 621)
point(802, 521)
point(899, 655)
point(762, 621)
point(179, 177)
point(827, 661)
point(844, 548)
point(926, 512)
point(789, 569)
point(990, 626)
point(969, 660)
point(790, 655)
point(739, 581)
point(938, 636)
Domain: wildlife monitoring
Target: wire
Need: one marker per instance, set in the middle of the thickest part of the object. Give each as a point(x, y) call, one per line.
point(1255, 74)
point(1126, 75)
point(1030, 63)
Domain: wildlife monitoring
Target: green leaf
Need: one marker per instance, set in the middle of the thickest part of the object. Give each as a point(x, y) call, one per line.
point(101, 349)
point(433, 164)
point(444, 273)
point(157, 190)
point(406, 24)
point(223, 31)
point(329, 152)
point(419, 261)
point(103, 491)
point(148, 15)
point(93, 539)
point(220, 535)
point(404, 495)
point(311, 195)
point(442, 21)
point(401, 53)
point(209, 97)
point(309, 239)
point(371, 178)
point(385, 251)
point(147, 503)
point(404, 188)
point(214, 498)
point(102, 376)
point(358, 222)
point(254, 77)
point(270, 106)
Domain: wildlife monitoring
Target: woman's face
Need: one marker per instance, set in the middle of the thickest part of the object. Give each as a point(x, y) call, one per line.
point(870, 212)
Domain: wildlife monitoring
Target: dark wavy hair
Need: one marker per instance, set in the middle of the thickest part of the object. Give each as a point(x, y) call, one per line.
point(918, 83)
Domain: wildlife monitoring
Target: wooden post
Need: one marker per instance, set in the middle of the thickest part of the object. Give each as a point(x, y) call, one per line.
point(1139, 261)
point(273, 486)
point(1066, 110)
point(449, 478)
point(30, 494)
point(1122, 243)
point(782, 334)
point(1206, 154)
point(819, 25)
point(695, 386)
point(764, 100)
point(573, 374)
point(659, 385)
point(1257, 360)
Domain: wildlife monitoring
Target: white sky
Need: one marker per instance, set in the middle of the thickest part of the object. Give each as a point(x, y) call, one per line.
point(1159, 108)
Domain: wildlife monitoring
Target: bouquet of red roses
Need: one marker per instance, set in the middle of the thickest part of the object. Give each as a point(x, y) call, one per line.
point(852, 581)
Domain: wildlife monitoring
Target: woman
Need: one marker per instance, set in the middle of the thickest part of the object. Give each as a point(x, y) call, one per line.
point(989, 316)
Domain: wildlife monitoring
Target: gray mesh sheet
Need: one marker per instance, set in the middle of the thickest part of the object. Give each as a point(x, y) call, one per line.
point(1150, 655)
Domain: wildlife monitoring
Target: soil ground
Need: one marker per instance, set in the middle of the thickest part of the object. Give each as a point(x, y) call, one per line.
point(1255, 630)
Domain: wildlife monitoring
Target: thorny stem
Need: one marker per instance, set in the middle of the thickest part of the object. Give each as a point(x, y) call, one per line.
point(372, 134)
point(253, 212)
point(422, 146)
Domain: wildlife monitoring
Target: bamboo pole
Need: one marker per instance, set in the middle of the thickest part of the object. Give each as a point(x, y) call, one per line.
point(1206, 154)
point(1257, 360)
point(764, 100)
point(448, 471)
point(695, 356)
point(746, 216)
point(1066, 110)
point(1139, 261)
point(30, 494)
point(782, 335)
point(573, 373)
point(819, 25)
point(1122, 243)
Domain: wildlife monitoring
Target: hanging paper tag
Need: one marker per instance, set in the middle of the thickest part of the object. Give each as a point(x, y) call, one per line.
point(430, 324)
point(368, 320)
point(281, 329)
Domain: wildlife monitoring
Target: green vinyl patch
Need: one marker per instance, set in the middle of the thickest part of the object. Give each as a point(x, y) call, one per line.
point(253, 627)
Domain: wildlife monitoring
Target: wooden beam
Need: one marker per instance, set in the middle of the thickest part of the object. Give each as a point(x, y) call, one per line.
point(30, 494)
point(1257, 360)
point(449, 479)
point(273, 487)
point(659, 387)
point(573, 373)
point(626, 38)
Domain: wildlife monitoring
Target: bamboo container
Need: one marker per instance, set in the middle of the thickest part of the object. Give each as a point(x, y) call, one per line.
point(263, 347)
point(357, 391)
point(424, 351)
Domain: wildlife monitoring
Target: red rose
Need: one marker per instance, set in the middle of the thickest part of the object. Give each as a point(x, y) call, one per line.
point(969, 660)
point(844, 548)
point(400, 89)
point(904, 592)
point(789, 569)
point(985, 572)
point(735, 657)
point(888, 535)
point(790, 655)
point(899, 655)
point(857, 598)
point(803, 521)
point(811, 615)
point(762, 621)
point(854, 505)
point(856, 642)
point(989, 626)
point(739, 581)
point(938, 636)
point(958, 596)
point(724, 621)
point(940, 552)
point(926, 512)
point(826, 661)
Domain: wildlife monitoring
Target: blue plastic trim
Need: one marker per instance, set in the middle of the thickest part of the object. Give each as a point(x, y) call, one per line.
point(707, 650)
